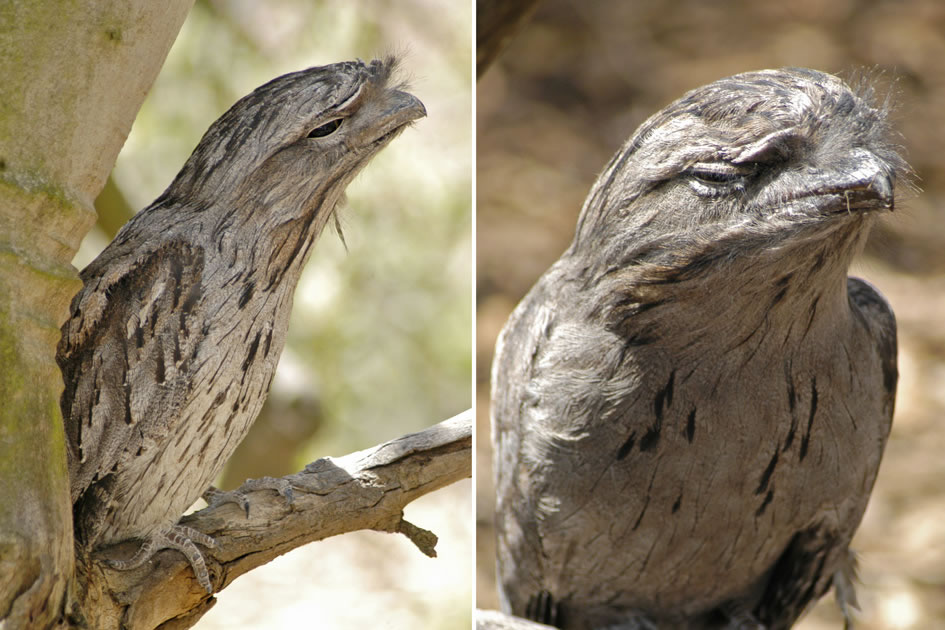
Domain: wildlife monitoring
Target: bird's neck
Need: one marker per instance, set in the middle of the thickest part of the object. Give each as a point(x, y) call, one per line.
point(796, 290)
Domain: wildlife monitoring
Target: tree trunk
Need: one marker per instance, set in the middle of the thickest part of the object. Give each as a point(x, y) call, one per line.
point(74, 76)
point(497, 21)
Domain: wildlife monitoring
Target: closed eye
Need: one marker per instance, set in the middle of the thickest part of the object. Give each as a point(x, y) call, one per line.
point(716, 178)
point(325, 130)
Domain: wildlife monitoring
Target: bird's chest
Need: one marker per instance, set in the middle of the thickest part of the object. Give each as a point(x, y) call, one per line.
point(706, 470)
point(224, 380)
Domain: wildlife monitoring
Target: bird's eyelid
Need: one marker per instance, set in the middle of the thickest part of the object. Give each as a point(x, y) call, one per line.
point(713, 178)
point(721, 168)
point(774, 147)
point(351, 100)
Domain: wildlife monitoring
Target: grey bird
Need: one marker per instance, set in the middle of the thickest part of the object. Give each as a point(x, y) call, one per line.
point(173, 340)
point(690, 406)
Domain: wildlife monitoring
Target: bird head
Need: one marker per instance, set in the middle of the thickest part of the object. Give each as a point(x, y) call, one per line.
point(287, 150)
point(745, 168)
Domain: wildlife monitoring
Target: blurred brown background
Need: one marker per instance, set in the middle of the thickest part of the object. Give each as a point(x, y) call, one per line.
point(573, 85)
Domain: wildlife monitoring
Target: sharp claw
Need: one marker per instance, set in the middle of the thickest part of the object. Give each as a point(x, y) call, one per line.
point(178, 537)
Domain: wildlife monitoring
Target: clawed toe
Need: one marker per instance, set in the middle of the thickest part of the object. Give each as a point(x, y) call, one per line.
point(282, 486)
point(178, 537)
point(215, 497)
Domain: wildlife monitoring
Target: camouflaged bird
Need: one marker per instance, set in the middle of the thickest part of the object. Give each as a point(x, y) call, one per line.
point(173, 340)
point(690, 406)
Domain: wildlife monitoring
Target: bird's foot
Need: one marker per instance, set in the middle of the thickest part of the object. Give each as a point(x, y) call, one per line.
point(215, 497)
point(844, 588)
point(178, 537)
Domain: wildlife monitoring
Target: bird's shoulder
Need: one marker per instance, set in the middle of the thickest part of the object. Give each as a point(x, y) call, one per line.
point(558, 371)
point(874, 308)
point(877, 317)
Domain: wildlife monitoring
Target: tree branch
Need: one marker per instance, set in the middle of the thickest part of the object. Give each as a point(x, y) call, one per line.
point(364, 490)
point(496, 22)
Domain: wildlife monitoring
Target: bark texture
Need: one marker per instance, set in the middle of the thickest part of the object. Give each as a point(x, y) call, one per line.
point(75, 75)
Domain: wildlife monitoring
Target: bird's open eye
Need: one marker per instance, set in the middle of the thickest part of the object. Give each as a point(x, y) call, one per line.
point(710, 179)
point(325, 130)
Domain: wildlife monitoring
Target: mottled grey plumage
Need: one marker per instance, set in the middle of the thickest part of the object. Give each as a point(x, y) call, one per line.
point(173, 340)
point(690, 406)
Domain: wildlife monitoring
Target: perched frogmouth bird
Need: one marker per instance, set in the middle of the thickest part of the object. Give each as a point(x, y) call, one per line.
point(172, 342)
point(690, 406)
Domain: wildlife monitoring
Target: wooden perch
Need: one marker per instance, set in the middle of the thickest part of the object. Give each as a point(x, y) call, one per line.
point(364, 490)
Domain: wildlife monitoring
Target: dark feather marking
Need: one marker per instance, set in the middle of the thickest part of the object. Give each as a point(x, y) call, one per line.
point(247, 293)
point(253, 347)
point(818, 262)
point(793, 583)
point(652, 436)
point(810, 420)
point(764, 504)
point(230, 418)
point(177, 353)
point(642, 308)
point(627, 446)
point(210, 414)
point(813, 313)
point(668, 389)
point(180, 438)
point(791, 394)
point(642, 337)
point(664, 398)
point(177, 272)
point(691, 425)
point(126, 390)
point(792, 404)
point(206, 445)
point(159, 367)
point(304, 240)
point(152, 318)
point(888, 347)
point(766, 475)
point(268, 343)
point(236, 278)
point(677, 503)
point(646, 504)
point(782, 284)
